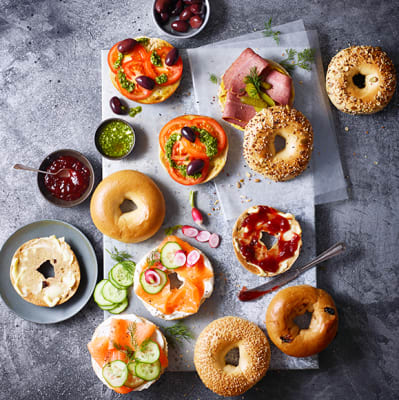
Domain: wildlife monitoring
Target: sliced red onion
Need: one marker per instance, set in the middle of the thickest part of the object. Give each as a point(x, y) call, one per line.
point(180, 258)
point(203, 236)
point(189, 231)
point(193, 257)
point(152, 277)
point(161, 267)
point(214, 240)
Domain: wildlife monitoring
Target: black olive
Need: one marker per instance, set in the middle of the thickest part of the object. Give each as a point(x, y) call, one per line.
point(329, 310)
point(195, 21)
point(192, 1)
point(178, 8)
point(186, 14)
point(164, 17)
point(145, 82)
point(172, 57)
point(126, 45)
point(195, 167)
point(162, 6)
point(116, 106)
point(197, 8)
point(286, 339)
point(180, 26)
point(189, 134)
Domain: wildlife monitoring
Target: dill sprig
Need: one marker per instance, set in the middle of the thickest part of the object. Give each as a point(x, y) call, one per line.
point(132, 331)
point(177, 333)
point(154, 258)
point(119, 256)
point(303, 59)
point(213, 78)
point(254, 79)
point(268, 32)
point(128, 351)
point(172, 229)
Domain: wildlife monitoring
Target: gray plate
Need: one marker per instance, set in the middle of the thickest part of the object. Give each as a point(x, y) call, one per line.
point(88, 270)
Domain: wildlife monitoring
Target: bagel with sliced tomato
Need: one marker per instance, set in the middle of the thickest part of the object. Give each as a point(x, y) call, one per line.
point(145, 70)
point(250, 84)
point(193, 149)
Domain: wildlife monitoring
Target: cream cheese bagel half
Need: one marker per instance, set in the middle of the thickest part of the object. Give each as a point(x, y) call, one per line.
point(32, 285)
point(174, 279)
point(128, 339)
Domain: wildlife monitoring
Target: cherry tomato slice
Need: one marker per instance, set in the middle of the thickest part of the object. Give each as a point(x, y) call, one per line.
point(214, 128)
point(132, 70)
point(172, 126)
point(112, 57)
point(173, 72)
point(196, 149)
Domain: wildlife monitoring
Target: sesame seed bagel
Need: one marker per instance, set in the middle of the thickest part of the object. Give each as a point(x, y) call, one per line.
point(259, 143)
point(361, 80)
point(287, 335)
point(213, 344)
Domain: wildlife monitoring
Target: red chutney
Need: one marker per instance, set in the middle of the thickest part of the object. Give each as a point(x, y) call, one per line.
point(268, 220)
point(71, 187)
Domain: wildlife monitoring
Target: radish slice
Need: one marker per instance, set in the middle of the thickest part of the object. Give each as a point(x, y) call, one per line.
point(161, 267)
point(189, 231)
point(203, 236)
point(193, 257)
point(180, 258)
point(214, 240)
point(152, 277)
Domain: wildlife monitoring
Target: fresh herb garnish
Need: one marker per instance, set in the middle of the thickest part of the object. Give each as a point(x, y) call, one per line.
point(125, 83)
point(303, 60)
point(156, 59)
point(213, 78)
point(128, 351)
point(134, 111)
point(163, 78)
point(132, 331)
point(177, 333)
point(172, 229)
point(118, 61)
point(254, 82)
point(154, 258)
point(270, 33)
point(119, 256)
point(208, 140)
point(143, 40)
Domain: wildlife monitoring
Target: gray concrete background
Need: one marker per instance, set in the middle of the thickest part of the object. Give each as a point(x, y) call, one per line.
point(50, 93)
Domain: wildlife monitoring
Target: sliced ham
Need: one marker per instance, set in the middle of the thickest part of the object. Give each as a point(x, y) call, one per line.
point(237, 112)
point(233, 78)
point(281, 87)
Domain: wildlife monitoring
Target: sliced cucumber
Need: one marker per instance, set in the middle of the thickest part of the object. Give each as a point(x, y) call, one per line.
point(115, 373)
point(132, 380)
point(148, 372)
point(98, 295)
point(112, 293)
point(122, 274)
point(107, 308)
point(115, 283)
point(148, 352)
point(119, 307)
point(168, 254)
point(151, 289)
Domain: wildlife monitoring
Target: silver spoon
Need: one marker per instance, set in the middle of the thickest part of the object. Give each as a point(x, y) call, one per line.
point(62, 173)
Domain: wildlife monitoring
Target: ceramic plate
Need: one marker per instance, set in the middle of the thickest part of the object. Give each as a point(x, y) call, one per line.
point(88, 271)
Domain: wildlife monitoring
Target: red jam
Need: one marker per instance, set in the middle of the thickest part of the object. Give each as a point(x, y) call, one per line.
point(266, 220)
point(69, 187)
point(248, 295)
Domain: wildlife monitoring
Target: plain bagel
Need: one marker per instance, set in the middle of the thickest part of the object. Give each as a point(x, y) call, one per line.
point(361, 80)
point(292, 302)
point(219, 338)
point(132, 226)
point(259, 143)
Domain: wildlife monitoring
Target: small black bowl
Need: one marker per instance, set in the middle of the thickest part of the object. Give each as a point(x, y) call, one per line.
point(98, 131)
point(47, 162)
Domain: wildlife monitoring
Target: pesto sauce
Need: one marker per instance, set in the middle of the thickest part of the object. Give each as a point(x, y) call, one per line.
point(208, 140)
point(116, 139)
point(163, 78)
point(125, 83)
point(156, 59)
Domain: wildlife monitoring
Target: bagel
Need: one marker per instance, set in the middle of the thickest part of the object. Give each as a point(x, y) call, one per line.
point(259, 143)
point(32, 285)
point(219, 338)
point(160, 93)
point(111, 333)
point(253, 254)
point(175, 302)
point(292, 302)
point(132, 226)
point(361, 80)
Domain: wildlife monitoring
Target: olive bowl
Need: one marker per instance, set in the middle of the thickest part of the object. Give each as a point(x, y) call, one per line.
point(47, 162)
point(167, 30)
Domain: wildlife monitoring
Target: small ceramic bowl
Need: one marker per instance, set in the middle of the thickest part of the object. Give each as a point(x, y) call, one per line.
point(98, 131)
point(167, 30)
point(47, 162)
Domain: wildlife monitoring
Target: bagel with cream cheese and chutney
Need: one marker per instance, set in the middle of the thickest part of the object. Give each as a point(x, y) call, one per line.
point(292, 302)
point(250, 84)
point(132, 226)
point(145, 70)
point(249, 248)
point(361, 80)
point(214, 347)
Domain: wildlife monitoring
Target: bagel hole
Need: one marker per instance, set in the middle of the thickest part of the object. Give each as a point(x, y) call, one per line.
point(303, 321)
point(47, 269)
point(127, 206)
point(232, 357)
point(174, 280)
point(268, 240)
point(359, 80)
point(279, 143)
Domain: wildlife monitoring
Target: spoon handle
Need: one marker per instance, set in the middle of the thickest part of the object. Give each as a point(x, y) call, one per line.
point(26, 168)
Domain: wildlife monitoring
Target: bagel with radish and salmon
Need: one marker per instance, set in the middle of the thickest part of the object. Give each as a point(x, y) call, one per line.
point(251, 84)
point(128, 353)
point(174, 279)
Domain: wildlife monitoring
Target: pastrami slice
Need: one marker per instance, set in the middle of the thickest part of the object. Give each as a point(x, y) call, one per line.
point(281, 87)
